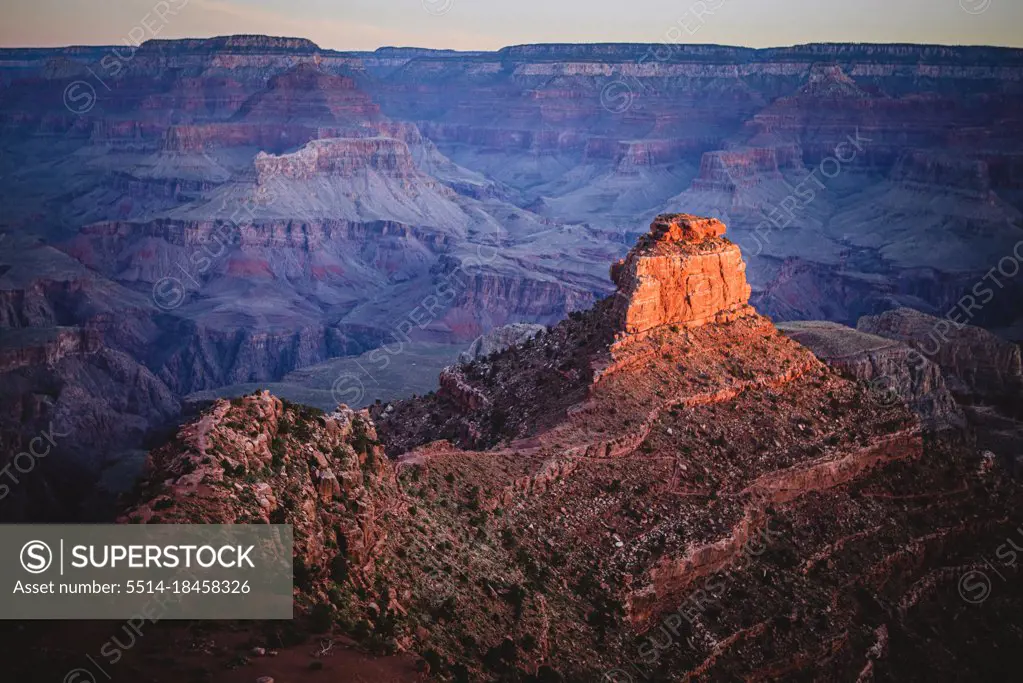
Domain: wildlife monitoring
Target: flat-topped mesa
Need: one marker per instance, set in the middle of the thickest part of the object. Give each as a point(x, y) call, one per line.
point(683, 272)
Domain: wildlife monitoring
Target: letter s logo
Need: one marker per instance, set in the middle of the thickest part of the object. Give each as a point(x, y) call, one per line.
point(36, 557)
point(79, 97)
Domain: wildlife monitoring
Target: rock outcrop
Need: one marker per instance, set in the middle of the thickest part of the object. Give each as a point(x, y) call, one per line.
point(683, 272)
point(28, 346)
point(892, 369)
point(338, 156)
point(260, 460)
point(830, 82)
point(976, 363)
point(455, 386)
point(499, 339)
point(727, 170)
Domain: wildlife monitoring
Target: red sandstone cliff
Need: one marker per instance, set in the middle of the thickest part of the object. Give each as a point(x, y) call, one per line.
point(684, 273)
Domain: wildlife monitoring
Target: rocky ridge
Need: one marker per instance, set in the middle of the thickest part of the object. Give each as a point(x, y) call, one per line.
point(499, 339)
point(603, 493)
point(977, 364)
point(894, 371)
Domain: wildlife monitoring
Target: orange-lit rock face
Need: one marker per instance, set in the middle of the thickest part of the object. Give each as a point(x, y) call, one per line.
point(682, 273)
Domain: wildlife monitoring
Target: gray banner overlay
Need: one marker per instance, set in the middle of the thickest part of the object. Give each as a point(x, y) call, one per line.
point(151, 571)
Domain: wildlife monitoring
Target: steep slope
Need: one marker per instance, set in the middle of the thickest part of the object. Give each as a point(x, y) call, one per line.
point(978, 365)
point(638, 490)
point(69, 365)
point(982, 370)
point(892, 369)
point(76, 417)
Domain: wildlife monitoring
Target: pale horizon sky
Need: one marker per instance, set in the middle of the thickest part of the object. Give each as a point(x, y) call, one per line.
point(492, 24)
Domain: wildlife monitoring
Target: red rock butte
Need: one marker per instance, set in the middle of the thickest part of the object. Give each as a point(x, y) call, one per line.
point(683, 272)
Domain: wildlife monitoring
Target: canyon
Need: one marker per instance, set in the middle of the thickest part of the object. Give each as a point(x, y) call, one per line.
point(252, 213)
point(644, 492)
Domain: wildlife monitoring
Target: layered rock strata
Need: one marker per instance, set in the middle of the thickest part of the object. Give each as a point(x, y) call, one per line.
point(683, 499)
point(976, 362)
point(893, 370)
point(28, 346)
point(337, 156)
point(683, 272)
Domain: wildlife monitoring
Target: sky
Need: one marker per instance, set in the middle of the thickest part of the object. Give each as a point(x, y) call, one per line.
point(491, 24)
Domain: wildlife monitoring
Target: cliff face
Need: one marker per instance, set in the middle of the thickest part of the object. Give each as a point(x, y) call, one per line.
point(308, 93)
point(981, 370)
point(683, 273)
point(894, 372)
point(25, 347)
point(242, 43)
point(338, 156)
point(88, 409)
point(976, 363)
point(727, 170)
point(948, 172)
point(202, 137)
